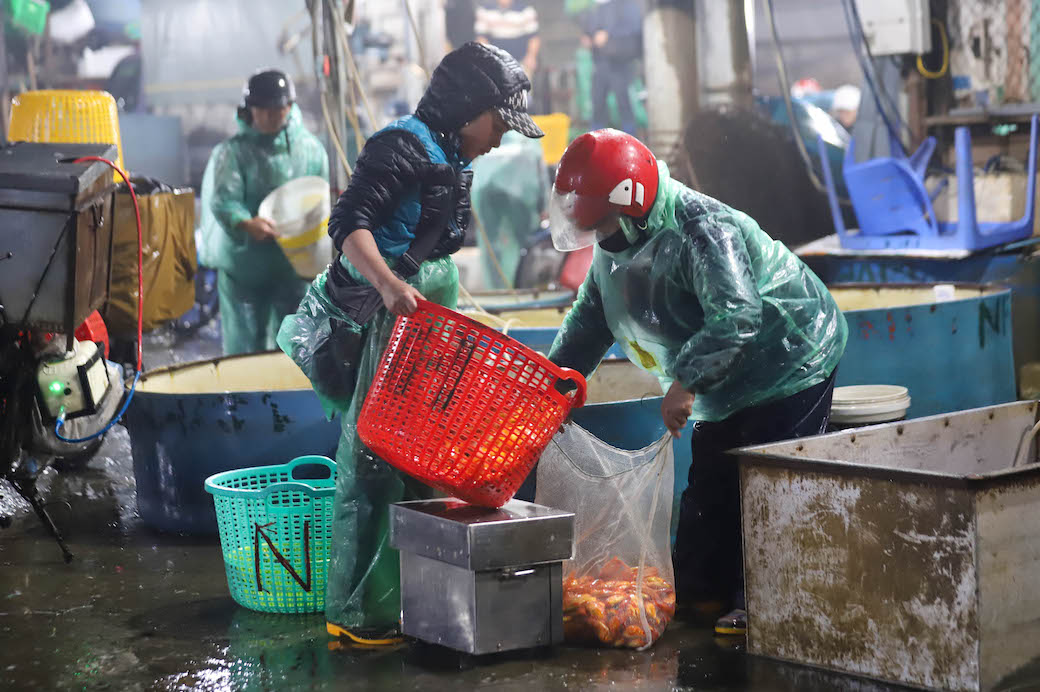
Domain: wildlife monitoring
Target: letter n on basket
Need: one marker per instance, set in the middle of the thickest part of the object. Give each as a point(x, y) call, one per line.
point(259, 533)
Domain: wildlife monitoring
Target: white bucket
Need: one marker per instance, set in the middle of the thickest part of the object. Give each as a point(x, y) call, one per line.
point(869, 403)
point(300, 211)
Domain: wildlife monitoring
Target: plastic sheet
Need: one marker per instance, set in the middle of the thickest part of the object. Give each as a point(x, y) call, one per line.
point(251, 315)
point(328, 345)
point(618, 590)
point(364, 580)
point(168, 234)
point(708, 299)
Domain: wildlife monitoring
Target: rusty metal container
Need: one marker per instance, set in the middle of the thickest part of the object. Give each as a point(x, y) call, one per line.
point(904, 552)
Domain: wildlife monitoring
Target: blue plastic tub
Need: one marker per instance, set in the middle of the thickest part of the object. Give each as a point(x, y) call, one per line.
point(191, 421)
point(909, 335)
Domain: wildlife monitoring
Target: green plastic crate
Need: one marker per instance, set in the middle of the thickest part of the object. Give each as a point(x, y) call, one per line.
point(275, 532)
point(29, 15)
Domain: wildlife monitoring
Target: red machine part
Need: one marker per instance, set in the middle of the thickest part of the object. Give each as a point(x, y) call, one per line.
point(94, 329)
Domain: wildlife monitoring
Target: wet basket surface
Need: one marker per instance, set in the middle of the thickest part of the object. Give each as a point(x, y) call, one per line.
point(463, 408)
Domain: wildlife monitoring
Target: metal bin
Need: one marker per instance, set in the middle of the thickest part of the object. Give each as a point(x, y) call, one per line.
point(905, 552)
point(480, 580)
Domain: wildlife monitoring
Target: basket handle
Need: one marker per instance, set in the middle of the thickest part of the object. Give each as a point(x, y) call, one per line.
point(578, 395)
point(301, 486)
point(269, 493)
point(311, 460)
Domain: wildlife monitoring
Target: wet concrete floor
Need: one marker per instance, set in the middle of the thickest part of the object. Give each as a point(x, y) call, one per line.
point(138, 610)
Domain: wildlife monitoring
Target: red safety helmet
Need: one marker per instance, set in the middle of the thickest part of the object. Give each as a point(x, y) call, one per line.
point(602, 174)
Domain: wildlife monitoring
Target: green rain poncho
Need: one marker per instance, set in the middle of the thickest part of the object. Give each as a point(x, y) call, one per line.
point(257, 285)
point(363, 589)
point(704, 297)
point(510, 190)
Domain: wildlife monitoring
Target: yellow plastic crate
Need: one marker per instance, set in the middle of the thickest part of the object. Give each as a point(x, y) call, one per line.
point(557, 128)
point(66, 116)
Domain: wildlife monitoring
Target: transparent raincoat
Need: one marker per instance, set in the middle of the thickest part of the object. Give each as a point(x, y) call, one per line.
point(363, 586)
point(257, 284)
point(510, 190)
point(704, 297)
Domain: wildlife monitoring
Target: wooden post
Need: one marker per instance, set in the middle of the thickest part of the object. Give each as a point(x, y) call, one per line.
point(917, 107)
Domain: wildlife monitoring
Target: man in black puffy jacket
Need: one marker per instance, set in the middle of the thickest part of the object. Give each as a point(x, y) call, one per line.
point(396, 225)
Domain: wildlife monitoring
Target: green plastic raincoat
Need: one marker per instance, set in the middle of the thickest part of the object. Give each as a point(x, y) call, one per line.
point(363, 589)
point(257, 285)
point(704, 297)
point(510, 191)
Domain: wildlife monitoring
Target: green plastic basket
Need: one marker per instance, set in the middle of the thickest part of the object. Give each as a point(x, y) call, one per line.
point(275, 531)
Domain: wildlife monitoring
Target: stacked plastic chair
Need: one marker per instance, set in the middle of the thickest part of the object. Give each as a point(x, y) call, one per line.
point(894, 209)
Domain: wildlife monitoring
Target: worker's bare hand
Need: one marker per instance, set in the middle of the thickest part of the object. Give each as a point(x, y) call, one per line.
point(259, 229)
point(599, 39)
point(400, 298)
point(586, 41)
point(676, 408)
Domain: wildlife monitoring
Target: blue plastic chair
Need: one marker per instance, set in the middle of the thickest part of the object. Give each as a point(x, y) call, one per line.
point(895, 211)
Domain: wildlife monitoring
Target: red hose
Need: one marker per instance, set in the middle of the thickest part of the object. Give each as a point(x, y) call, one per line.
point(140, 247)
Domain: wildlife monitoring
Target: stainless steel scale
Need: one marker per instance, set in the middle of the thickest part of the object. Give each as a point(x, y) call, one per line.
point(482, 580)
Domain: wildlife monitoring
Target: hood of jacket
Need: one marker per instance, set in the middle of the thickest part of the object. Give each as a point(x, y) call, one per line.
point(468, 81)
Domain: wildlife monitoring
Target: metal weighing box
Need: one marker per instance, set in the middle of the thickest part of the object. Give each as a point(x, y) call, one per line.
point(482, 580)
point(56, 223)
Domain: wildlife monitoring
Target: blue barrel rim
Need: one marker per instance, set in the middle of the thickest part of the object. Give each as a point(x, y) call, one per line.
point(214, 488)
point(994, 287)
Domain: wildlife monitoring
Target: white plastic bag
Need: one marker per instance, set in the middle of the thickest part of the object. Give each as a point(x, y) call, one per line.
point(618, 591)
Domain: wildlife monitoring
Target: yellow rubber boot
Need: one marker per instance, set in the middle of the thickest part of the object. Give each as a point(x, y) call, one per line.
point(340, 633)
point(732, 623)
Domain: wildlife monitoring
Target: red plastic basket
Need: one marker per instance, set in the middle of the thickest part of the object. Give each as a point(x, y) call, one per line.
point(462, 407)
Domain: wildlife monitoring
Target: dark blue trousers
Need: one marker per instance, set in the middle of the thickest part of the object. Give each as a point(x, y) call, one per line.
point(707, 556)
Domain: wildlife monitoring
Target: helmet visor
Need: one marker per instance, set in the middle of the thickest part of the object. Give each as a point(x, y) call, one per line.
point(578, 221)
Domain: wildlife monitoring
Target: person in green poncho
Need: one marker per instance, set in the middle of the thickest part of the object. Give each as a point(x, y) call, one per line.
point(510, 194)
point(743, 337)
point(256, 282)
point(397, 224)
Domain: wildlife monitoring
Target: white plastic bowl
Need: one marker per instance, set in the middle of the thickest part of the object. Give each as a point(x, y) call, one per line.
point(300, 211)
point(869, 403)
